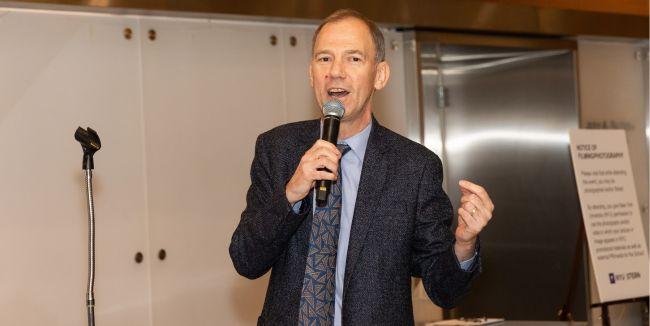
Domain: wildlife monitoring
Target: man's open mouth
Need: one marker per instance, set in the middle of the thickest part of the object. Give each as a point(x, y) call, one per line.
point(337, 92)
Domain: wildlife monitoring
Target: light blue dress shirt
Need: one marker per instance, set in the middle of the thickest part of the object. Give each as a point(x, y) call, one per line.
point(351, 165)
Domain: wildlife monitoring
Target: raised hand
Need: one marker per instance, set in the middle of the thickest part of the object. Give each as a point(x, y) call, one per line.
point(320, 162)
point(474, 213)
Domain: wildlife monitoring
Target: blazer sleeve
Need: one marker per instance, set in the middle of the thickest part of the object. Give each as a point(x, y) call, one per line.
point(433, 257)
point(268, 222)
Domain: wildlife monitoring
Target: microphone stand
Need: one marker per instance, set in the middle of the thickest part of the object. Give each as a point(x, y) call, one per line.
point(90, 144)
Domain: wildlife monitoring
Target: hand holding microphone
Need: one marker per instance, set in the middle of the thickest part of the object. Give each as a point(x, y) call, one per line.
point(320, 163)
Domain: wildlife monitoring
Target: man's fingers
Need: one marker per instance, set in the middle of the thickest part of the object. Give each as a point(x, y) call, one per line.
point(322, 149)
point(473, 202)
point(467, 197)
point(323, 144)
point(461, 218)
point(324, 175)
point(470, 207)
point(477, 204)
point(471, 187)
point(476, 208)
point(324, 152)
point(325, 162)
point(468, 217)
point(466, 186)
point(313, 164)
point(311, 168)
point(480, 214)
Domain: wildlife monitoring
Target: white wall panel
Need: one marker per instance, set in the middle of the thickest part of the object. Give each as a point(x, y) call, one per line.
point(57, 72)
point(209, 89)
point(299, 97)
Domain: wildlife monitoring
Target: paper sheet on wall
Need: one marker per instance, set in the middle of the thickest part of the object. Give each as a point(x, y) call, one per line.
point(611, 213)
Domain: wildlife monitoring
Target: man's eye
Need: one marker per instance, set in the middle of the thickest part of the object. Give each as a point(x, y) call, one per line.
point(324, 59)
point(356, 59)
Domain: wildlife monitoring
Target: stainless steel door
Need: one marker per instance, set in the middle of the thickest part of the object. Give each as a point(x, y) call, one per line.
point(500, 117)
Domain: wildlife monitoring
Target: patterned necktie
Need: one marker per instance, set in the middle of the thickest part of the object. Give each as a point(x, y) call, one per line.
point(317, 300)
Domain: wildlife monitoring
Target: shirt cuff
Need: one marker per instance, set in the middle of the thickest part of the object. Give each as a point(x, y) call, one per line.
point(296, 207)
point(466, 264)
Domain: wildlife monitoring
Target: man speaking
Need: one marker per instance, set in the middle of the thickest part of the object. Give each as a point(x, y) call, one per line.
point(349, 260)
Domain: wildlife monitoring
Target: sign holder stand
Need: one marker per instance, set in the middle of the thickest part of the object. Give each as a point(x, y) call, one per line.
point(604, 306)
point(566, 312)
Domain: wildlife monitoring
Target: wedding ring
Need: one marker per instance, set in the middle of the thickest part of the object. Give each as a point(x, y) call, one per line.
point(473, 211)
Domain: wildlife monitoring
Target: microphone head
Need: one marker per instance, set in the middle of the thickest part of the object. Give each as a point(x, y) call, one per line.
point(333, 107)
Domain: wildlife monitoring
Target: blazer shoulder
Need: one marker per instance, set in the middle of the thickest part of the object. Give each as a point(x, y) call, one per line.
point(288, 133)
point(407, 148)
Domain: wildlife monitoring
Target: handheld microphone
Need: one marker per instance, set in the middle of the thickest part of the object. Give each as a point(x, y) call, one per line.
point(333, 111)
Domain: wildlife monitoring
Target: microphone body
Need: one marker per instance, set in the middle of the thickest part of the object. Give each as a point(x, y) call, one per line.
point(333, 112)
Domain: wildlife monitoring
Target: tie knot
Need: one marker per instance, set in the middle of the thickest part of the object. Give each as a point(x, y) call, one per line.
point(343, 148)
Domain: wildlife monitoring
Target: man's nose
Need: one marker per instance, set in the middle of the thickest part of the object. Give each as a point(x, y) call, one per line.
point(337, 69)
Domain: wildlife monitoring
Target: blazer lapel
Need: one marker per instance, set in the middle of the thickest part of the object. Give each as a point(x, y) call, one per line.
point(373, 175)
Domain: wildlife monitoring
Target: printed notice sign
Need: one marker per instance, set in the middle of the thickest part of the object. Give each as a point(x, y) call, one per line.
point(611, 213)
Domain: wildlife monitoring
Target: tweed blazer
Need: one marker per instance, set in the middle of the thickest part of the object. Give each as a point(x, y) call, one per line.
point(401, 228)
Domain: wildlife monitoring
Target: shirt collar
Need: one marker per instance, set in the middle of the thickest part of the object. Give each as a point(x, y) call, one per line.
point(359, 142)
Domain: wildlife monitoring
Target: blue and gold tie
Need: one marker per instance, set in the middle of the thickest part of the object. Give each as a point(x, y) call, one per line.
point(317, 300)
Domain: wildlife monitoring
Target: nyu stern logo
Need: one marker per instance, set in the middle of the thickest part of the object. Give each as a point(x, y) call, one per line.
point(613, 278)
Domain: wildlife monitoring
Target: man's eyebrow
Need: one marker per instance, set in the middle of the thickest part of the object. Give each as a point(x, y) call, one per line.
point(355, 52)
point(322, 52)
point(346, 52)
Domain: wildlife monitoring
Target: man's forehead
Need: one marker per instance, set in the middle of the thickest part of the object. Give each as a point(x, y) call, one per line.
point(350, 30)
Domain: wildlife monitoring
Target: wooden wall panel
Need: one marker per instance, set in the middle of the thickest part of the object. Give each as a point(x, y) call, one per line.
point(628, 7)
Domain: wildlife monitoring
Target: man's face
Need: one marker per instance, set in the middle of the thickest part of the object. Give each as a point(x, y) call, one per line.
point(343, 67)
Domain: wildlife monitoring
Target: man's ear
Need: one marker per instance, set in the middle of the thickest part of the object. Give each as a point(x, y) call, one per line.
point(382, 75)
point(311, 77)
